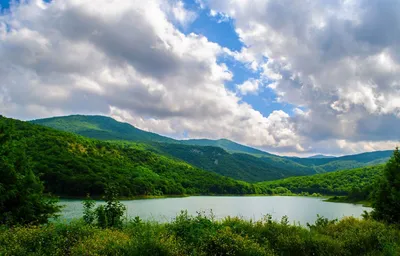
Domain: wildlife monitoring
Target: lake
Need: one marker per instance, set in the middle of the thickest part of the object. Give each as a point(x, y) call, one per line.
point(298, 209)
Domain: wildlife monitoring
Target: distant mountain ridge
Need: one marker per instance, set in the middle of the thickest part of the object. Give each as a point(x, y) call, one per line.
point(320, 156)
point(227, 145)
point(101, 127)
point(220, 156)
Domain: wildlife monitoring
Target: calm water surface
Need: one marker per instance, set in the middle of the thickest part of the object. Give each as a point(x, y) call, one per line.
point(298, 209)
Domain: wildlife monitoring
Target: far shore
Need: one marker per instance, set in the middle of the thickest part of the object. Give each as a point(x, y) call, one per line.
point(326, 198)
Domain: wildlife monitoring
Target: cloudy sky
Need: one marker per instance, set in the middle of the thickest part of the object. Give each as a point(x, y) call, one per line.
point(290, 77)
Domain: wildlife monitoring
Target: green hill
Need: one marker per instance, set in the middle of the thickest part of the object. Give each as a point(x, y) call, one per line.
point(236, 165)
point(345, 182)
point(101, 127)
point(320, 156)
point(220, 156)
point(228, 145)
point(255, 165)
point(73, 165)
point(360, 159)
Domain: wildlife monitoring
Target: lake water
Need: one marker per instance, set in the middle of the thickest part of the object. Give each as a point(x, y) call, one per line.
point(298, 209)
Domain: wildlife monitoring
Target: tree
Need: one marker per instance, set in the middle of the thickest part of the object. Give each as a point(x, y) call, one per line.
point(21, 192)
point(386, 201)
point(109, 215)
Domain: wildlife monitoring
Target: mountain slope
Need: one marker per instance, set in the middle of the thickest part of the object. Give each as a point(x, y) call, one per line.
point(320, 156)
point(237, 165)
point(228, 145)
point(363, 158)
point(241, 166)
point(101, 127)
point(73, 165)
point(231, 162)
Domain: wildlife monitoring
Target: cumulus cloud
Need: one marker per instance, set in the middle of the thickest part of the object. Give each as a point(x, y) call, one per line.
point(250, 86)
point(338, 60)
point(129, 60)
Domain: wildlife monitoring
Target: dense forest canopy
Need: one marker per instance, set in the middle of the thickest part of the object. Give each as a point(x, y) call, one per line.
point(72, 165)
point(21, 192)
point(355, 182)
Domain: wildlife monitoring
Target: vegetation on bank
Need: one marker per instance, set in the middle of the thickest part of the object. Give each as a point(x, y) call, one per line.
point(355, 184)
point(202, 235)
point(386, 196)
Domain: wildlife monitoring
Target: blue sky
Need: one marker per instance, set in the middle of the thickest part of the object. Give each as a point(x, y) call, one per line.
point(4, 4)
point(223, 33)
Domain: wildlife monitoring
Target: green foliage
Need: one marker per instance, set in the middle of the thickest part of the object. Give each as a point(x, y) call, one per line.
point(72, 165)
point(238, 166)
point(356, 183)
point(89, 214)
point(100, 127)
point(21, 192)
point(222, 156)
point(203, 235)
point(227, 145)
point(205, 154)
point(386, 201)
point(363, 158)
point(110, 215)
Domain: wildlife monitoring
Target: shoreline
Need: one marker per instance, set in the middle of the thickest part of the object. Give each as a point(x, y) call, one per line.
point(124, 198)
point(325, 198)
point(344, 199)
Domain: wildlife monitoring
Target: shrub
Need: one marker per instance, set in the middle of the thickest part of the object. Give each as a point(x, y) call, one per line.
point(107, 216)
point(103, 242)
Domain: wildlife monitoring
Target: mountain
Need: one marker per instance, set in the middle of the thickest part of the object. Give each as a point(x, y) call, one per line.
point(220, 156)
point(346, 162)
point(320, 156)
point(73, 165)
point(101, 127)
point(107, 128)
point(228, 145)
point(236, 165)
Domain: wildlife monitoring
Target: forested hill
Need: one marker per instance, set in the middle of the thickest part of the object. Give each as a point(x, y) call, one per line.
point(345, 162)
point(220, 156)
point(73, 165)
point(106, 128)
point(228, 145)
point(236, 165)
point(247, 167)
point(356, 182)
point(101, 127)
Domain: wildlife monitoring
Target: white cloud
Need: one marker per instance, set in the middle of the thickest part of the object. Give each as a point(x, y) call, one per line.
point(338, 59)
point(250, 86)
point(182, 16)
point(127, 59)
point(336, 62)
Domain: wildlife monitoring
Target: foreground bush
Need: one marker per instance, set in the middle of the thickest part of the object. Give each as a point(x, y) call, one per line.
point(202, 235)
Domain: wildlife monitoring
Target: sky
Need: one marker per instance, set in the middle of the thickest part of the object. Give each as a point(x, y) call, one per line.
point(288, 77)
